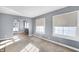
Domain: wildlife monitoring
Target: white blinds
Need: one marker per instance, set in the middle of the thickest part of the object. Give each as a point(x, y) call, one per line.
point(40, 22)
point(40, 25)
point(65, 24)
point(67, 19)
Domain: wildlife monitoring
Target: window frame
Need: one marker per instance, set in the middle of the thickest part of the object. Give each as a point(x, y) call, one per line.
point(63, 30)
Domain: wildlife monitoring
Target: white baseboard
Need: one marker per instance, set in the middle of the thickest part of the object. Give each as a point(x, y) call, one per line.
point(70, 47)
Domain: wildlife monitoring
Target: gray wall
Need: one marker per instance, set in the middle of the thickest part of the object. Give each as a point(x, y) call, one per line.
point(48, 25)
point(29, 20)
point(6, 25)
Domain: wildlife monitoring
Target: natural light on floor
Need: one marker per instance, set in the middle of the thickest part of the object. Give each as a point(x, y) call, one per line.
point(30, 48)
point(16, 38)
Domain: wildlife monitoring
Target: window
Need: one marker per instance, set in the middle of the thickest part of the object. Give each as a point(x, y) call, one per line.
point(16, 25)
point(58, 30)
point(26, 25)
point(40, 25)
point(65, 24)
point(68, 31)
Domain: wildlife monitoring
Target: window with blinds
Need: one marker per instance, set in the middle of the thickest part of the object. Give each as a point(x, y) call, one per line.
point(40, 25)
point(65, 24)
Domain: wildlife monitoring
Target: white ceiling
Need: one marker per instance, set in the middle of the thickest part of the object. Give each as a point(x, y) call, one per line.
point(29, 11)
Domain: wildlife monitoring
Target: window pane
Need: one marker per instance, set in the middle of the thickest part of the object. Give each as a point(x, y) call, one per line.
point(26, 25)
point(15, 25)
point(70, 31)
point(58, 30)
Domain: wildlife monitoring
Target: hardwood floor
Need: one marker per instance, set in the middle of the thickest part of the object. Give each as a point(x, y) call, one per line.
point(44, 46)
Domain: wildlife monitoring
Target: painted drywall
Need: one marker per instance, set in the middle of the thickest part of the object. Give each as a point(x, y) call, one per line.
point(6, 25)
point(48, 28)
point(29, 20)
